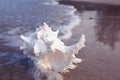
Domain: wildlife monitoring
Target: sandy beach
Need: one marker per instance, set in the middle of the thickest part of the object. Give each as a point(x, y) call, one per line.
point(115, 2)
point(101, 26)
point(100, 23)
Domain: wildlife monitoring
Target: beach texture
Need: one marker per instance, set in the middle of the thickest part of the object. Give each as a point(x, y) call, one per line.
point(100, 24)
point(115, 2)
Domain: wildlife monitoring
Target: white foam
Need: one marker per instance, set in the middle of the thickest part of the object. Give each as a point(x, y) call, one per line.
point(52, 2)
point(68, 28)
point(75, 20)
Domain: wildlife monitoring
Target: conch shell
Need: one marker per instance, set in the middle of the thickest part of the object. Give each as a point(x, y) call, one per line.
point(48, 52)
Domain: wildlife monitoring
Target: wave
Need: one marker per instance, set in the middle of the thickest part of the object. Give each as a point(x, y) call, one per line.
point(58, 16)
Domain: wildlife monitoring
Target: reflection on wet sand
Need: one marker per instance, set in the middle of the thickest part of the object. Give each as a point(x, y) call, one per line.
point(108, 26)
point(101, 26)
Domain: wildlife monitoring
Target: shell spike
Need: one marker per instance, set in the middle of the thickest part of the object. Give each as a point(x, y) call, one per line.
point(23, 38)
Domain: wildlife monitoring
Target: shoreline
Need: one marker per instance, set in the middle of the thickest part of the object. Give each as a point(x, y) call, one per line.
point(73, 29)
point(100, 24)
point(105, 2)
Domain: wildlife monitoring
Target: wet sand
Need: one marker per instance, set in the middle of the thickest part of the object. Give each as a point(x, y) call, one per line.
point(101, 56)
point(115, 2)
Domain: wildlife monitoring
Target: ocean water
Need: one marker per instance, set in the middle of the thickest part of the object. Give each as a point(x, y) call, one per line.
point(24, 16)
point(19, 17)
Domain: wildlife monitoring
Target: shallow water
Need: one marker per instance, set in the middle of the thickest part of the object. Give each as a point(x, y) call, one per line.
point(22, 17)
point(19, 17)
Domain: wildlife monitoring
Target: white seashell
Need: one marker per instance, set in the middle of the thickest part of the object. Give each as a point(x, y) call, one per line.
point(50, 53)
